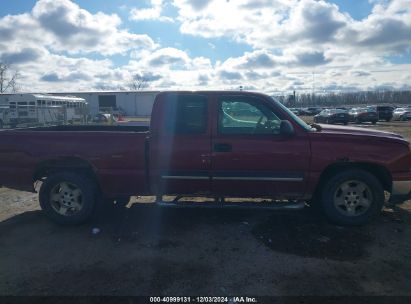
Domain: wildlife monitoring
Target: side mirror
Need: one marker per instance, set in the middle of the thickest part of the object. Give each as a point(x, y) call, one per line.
point(286, 128)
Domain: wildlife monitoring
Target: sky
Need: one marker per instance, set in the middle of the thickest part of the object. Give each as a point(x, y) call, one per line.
point(271, 46)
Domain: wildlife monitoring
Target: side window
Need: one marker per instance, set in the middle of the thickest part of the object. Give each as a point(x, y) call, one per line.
point(186, 114)
point(242, 115)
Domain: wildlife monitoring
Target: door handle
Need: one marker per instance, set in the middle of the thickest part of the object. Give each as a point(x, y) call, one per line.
point(223, 148)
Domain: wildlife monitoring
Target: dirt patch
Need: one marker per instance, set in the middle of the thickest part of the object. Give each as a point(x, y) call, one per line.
point(312, 237)
point(144, 250)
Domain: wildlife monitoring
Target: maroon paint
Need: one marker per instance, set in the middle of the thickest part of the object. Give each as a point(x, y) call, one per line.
point(119, 162)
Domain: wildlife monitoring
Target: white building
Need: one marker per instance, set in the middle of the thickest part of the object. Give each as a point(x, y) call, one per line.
point(133, 103)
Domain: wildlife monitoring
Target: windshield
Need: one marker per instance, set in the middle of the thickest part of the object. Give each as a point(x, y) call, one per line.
point(297, 119)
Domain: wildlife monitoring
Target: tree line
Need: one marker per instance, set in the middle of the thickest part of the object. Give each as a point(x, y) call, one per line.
point(347, 98)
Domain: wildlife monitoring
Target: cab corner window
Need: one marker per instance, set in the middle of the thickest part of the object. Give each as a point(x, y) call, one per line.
point(186, 114)
point(239, 115)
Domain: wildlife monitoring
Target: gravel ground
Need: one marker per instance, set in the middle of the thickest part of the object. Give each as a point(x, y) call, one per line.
point(145, 250)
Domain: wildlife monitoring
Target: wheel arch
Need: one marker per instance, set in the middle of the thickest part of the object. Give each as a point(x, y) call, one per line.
point(379, 171)
point(61, 164)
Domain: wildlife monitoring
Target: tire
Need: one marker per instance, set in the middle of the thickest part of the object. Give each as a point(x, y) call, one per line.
point(75, 205)
point(1, 124)
point(387, 119)
point(374, 122)
point(356, 207)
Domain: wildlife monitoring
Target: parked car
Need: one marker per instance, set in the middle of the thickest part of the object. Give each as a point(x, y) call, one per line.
point(104, 118)
point(402, 114)
point(385, 112)
point(311, 111)
point(332, 116)
point(296, 111)
point(203, 150)
point(360, 115)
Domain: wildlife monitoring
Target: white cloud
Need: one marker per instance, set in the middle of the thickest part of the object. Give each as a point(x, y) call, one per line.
point(266, 60)
point(152, 13)
point(168, 56)
point(306, 23)
point(52, 72)
point(63, 26)
point(295, 44)
point(176, 67)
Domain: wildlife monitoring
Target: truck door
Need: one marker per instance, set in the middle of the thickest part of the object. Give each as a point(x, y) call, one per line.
point(181, 144)
point(249, 155)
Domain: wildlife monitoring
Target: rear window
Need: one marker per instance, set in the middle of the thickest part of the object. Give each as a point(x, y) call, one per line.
point(186, 114)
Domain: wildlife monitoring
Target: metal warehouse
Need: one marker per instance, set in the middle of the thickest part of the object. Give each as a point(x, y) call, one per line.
point(132, 103)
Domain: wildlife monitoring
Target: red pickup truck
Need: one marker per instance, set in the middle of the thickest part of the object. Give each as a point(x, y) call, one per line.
point(210, 143)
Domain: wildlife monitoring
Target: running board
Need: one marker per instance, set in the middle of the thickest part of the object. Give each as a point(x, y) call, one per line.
point(271, 206)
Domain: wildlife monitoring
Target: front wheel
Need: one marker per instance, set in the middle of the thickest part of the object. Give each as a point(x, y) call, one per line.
point(68, 198)
point(352, 197)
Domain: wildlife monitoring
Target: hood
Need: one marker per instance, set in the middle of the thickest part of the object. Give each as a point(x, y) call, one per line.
point(356, 131)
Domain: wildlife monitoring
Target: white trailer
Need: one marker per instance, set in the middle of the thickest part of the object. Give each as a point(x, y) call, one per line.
point(33, 109)
point(129, 103)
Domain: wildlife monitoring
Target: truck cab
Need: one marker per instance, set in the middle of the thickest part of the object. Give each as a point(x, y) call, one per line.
point(227, 144)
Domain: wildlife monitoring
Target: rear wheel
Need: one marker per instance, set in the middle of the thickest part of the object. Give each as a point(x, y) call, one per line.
point(352, 197)
point(68, 198)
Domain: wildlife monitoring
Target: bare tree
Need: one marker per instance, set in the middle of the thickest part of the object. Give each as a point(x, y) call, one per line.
point(8, 78)
point(138, 82)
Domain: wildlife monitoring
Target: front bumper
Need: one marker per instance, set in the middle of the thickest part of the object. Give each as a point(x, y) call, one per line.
point(401, 191)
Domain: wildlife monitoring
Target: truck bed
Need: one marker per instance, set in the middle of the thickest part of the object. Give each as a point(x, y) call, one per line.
point(115, 153)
